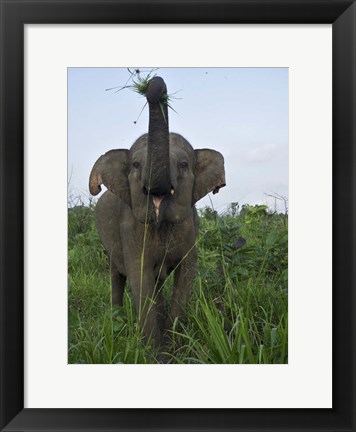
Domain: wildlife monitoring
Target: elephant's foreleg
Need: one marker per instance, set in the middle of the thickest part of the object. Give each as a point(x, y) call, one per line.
point(117, 287)
point(160, 305)
point(145, 299)
point(183, 281)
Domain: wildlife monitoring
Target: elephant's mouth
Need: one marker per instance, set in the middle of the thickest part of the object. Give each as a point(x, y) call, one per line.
point(157, 202)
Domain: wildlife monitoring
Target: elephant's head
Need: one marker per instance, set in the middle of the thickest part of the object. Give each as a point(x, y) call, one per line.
point(161, 176)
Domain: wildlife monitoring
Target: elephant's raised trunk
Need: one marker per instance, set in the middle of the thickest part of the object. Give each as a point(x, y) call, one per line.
point(156, 180)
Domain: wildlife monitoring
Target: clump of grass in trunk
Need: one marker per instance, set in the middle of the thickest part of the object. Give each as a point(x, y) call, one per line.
point(140, 86)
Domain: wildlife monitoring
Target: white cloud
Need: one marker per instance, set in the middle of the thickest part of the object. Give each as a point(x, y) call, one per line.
point(261, 153)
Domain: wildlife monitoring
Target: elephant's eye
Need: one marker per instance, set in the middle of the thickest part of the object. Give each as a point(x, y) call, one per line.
point(183, 164)
point(136, 164)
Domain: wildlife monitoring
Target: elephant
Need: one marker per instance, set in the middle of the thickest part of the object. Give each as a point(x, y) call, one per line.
point(147, 220)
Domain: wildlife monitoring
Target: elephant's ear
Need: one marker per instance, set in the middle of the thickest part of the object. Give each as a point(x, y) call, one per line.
point(209, 173)
point(111, 170)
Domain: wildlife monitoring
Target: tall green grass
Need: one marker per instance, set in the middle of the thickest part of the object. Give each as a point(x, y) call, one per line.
point(238, 312)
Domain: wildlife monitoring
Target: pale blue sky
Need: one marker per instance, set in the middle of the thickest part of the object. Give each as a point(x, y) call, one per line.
point(241, 112)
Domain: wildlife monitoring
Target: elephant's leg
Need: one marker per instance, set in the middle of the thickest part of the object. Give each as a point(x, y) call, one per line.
point(160, 305)
point(117, 287)
point(183, 281)
point(145, 299)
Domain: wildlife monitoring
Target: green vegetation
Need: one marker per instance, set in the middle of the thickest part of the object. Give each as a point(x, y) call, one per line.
point(238, 312)
point(139, 84)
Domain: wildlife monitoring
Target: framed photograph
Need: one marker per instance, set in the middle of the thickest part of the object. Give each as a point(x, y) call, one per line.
point(253, 235)
point(261, 102)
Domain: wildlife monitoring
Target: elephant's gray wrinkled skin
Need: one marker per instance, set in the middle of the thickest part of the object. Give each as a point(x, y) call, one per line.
point(147, 220)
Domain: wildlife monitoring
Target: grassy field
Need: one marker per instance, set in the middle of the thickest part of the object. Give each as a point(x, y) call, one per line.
point(238, 312)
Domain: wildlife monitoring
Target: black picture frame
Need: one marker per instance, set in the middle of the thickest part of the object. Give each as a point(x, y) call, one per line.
point(14, 15)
